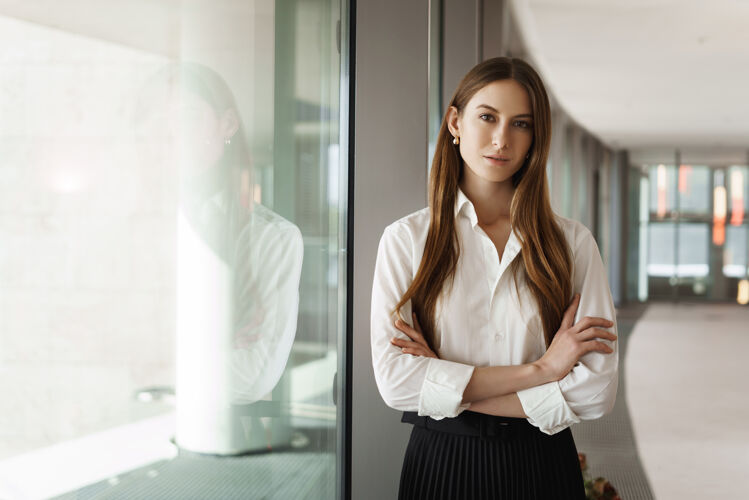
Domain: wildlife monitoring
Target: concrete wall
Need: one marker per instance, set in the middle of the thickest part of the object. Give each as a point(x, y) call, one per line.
point(390, 182)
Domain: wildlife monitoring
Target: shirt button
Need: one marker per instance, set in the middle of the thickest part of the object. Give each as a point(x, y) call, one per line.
point(497, 336)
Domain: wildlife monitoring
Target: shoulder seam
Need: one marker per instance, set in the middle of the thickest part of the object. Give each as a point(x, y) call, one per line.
point(397, 227)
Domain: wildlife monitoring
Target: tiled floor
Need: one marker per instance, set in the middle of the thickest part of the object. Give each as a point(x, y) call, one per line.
point(276, 476)
point(685, 373)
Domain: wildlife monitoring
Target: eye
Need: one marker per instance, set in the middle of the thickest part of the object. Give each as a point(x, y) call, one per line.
point(522, 124)
point(486, 117)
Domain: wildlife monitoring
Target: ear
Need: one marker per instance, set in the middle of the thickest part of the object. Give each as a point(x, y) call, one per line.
point(453, 121)
point(229, 123)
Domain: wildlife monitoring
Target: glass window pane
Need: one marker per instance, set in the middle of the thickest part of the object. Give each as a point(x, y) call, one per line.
point(661, 259)
point(171, 274)
point(662, 189)
point(738, 193)
point(694, 190)
point(735, 251)
point(694, 245)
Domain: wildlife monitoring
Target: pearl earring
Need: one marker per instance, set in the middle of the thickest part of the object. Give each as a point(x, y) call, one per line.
point(456, 140)
point(227, 141)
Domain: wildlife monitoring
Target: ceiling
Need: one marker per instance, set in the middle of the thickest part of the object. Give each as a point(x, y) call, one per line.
point(636, 73)
point(646, 73)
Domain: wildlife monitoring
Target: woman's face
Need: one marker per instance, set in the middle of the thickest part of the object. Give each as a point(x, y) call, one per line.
point(495, 130)
point(185, 131)
point(198, 132)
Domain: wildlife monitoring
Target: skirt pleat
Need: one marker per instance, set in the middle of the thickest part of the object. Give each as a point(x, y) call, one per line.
point(445, 466)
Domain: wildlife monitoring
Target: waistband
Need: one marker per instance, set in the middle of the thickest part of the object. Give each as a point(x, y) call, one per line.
point(469, 423)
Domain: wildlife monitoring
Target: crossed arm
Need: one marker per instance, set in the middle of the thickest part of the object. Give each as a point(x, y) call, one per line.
point(481, 382)
point(493, 389)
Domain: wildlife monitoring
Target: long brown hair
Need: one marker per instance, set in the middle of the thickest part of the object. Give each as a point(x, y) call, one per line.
point(546, 259)
point(234, 169)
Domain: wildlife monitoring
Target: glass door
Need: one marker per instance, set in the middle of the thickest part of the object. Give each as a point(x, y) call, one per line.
point(678, 232)
point(693, 233)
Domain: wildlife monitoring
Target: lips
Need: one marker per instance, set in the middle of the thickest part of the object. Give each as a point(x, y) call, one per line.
point(498, 157)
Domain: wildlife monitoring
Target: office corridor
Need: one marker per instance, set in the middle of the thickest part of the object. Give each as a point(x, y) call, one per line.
point(193, 199)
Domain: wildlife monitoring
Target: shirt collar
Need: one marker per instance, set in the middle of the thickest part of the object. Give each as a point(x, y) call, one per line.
point(465, 206)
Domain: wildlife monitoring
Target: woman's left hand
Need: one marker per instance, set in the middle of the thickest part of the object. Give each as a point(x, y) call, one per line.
point(417, 346)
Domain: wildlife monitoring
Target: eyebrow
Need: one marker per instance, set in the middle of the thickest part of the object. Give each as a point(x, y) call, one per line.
point(525, 115)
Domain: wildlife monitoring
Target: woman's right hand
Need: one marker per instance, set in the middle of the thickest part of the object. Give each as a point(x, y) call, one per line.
point(571, 342)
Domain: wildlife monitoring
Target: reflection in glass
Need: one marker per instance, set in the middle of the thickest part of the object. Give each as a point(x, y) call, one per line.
point(691, 183)
point(739, 193)
point(143, 196)
point(694, 189)
point(719, 209)
point(662, 194)
point(238, 265)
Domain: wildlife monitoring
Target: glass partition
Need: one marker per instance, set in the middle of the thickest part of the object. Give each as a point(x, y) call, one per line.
point(173, 268)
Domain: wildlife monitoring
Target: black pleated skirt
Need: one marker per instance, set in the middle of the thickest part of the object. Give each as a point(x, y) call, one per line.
point(477, 456)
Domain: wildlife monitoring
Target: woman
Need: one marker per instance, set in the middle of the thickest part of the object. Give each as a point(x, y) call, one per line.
point(238, 267)
point(496, 357)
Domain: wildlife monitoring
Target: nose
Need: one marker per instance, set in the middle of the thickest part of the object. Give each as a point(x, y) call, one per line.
point(500, 136)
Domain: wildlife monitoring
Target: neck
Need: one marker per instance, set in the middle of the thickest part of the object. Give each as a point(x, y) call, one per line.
point(203, 185)
point(491, 200)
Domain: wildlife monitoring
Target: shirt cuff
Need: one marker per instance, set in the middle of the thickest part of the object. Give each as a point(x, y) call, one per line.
point(442, 391)
point(546, 408)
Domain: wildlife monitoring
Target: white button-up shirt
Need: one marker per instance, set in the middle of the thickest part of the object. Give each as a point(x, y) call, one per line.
point(486, 321)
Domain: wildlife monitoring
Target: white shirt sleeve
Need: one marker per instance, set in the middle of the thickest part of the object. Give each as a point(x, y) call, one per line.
point(589, 390)
point(433, 387)
point(267, 303)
